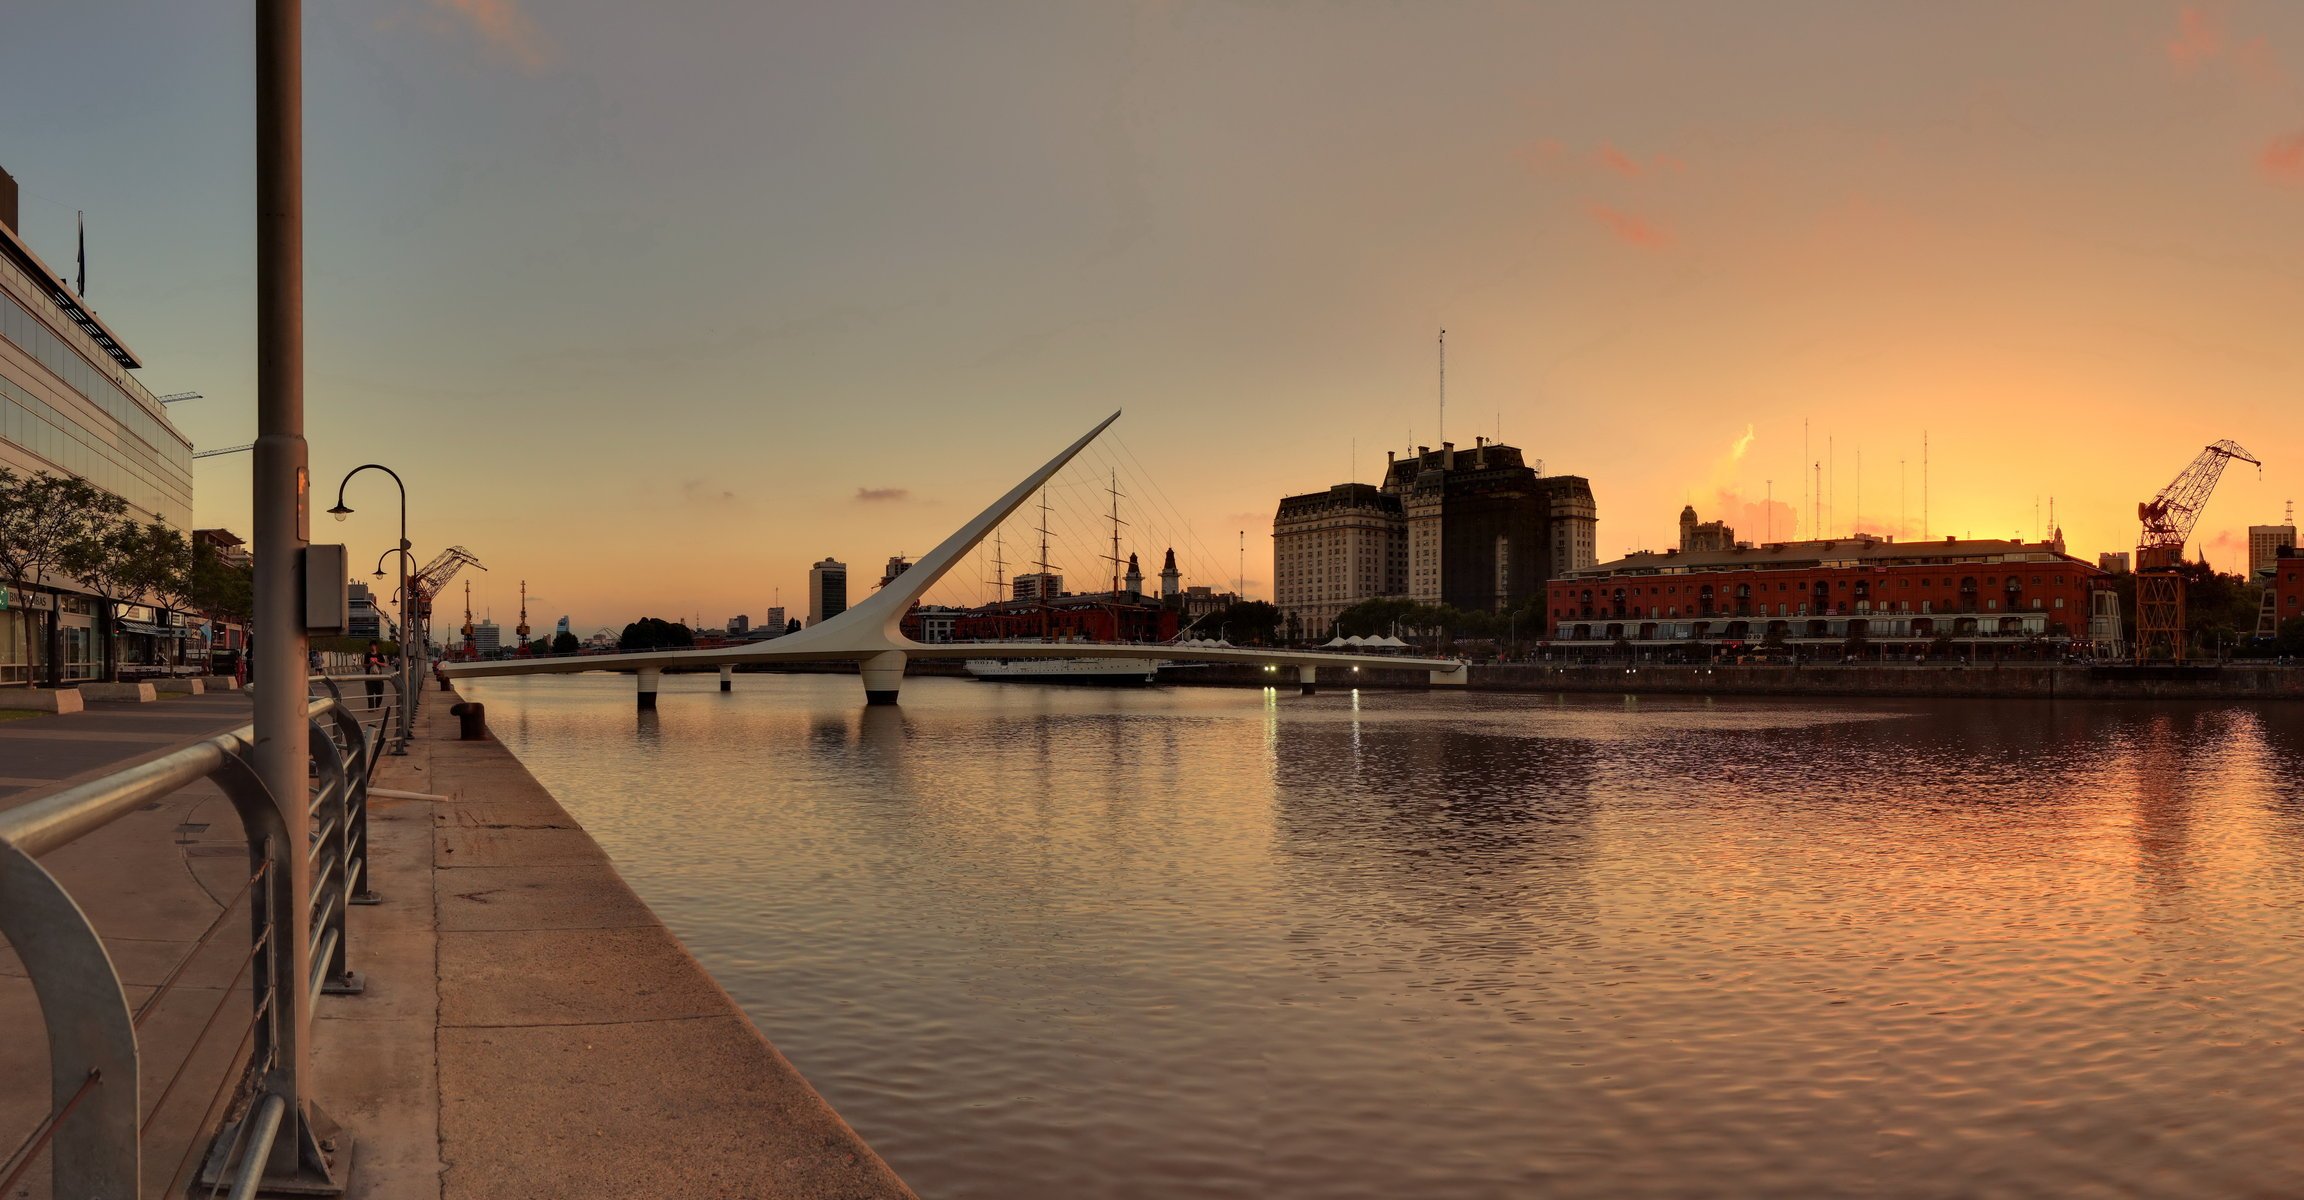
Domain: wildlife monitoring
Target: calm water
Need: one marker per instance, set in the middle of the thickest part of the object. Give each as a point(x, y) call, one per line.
point(1068, 943)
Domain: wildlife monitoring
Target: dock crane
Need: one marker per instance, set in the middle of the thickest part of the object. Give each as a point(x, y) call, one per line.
point(2168, 519)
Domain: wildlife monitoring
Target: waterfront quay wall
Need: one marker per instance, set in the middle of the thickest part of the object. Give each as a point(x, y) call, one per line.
point(1995, 681)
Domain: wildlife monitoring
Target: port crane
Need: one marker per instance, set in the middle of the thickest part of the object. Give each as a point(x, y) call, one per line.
point(2168, 519)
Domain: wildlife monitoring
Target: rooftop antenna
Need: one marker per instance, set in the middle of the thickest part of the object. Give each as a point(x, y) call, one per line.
point(1443, 434)
point(1924, 485)
point(1859, 490)
point(1768, 514)
point(1903, 498)
point(2291, 518)
point(1806, 509)
point(1242, 593)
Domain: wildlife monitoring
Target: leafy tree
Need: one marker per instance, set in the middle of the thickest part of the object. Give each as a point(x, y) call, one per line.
point(653, 633)
point(792, 626)
point(43, 518)
point(219, 587)
point(2291, 639)
point(565, 642)
point(108, 558)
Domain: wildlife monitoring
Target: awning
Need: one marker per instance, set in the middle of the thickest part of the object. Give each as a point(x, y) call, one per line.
point(142, 628)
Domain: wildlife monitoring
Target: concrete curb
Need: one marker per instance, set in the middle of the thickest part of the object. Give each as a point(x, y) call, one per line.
point(128, 693)
point(50, 700)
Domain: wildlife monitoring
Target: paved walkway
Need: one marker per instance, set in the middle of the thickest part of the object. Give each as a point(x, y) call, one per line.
point(529, 1027)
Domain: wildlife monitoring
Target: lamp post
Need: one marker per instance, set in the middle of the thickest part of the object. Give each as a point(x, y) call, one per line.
point(411, 615)
point(407, 659)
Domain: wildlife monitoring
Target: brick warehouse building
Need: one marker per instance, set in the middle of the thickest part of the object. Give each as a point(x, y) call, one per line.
point(1901, 595)
point(2288, 584)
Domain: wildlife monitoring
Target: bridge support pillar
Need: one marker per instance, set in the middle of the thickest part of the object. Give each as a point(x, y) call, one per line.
point(1307, 680)
point(648, 678)
point(727, 678)
point(883, 674)
point(1459, 677)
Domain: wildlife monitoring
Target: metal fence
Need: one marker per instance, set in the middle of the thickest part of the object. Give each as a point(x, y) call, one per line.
point(299, 948)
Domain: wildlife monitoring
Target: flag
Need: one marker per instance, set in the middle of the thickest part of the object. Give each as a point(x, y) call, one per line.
point(82, 219)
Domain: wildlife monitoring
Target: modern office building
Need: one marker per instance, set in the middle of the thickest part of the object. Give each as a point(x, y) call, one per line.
point(69, 405)
point(827, 591)
point(2113, 562)
point(2264, 545)
point(487, 638)
point(739, 625)
point(1478, 530)
point(775, 623)
point(1036, 585)
point(364, 620)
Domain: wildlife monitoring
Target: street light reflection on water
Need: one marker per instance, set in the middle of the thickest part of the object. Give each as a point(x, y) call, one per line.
point(1187, 941)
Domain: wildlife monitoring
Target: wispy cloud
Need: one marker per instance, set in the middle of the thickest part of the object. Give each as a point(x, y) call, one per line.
point(2199, 37)
point(1630, 229)
point(705, 492)
point(871, 495)
point(500, 25)
point(1616, 160)
point(2282, 160)
point(2201, 40)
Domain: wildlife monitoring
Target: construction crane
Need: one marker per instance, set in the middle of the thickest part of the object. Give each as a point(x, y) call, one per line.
point(2168, 519)
point(436, 574)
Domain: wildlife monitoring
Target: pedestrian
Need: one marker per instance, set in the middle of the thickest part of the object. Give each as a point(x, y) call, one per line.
point(372, 664)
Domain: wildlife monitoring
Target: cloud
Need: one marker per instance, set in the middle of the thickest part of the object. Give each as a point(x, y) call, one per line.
point(2201, 40)
point(1743, 443)
point(2283, 159)
point(867, 495)
point(1616, 160)
point(501, 26)
point(705, 492)
point(1631, 230)
point(2198, 38)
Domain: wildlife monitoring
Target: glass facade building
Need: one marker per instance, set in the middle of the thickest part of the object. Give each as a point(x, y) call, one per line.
point(69, 406)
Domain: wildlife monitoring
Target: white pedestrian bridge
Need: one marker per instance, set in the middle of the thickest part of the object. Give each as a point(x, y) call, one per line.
point(871, 633)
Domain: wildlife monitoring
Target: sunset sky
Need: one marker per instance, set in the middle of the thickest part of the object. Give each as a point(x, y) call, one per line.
point(653, 305)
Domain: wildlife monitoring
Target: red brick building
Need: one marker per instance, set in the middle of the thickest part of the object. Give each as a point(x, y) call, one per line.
point(2288, 584)
point(1884, 591)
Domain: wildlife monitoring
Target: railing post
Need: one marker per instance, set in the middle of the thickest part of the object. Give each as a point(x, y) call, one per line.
point(331, 859)
point(92, 1079)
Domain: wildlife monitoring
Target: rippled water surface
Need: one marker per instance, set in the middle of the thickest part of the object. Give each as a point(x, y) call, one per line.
point(1071, 943)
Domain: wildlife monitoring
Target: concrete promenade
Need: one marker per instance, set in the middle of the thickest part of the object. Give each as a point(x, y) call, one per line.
point(1983, 681)
point(529, 1027)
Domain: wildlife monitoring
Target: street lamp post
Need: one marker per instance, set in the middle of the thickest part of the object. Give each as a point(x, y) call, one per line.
point(407, 655)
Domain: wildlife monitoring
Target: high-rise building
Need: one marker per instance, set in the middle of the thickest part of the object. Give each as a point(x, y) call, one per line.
point(2264, 545)
point(2113, 562)
point(1477, 529)
point(363, 620)
point(827, 591)
point(487, 638)
point(561, 628)
point(1333, 549)
point(775, 622)
point(897, 565)
point(739, 625)
point(1037, 585)
point(69, 406)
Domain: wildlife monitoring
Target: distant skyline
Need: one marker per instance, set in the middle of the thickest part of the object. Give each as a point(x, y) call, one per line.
point(654, 306)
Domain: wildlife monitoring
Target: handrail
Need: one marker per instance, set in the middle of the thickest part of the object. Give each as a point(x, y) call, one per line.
point(94, 1124)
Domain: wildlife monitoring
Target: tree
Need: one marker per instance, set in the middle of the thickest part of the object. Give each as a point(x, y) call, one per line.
point(792, 626)
point(565, 642)
point(653, 633)
point(42, 519)
point(220, 588)
point(2291, 640)
point(109, 559)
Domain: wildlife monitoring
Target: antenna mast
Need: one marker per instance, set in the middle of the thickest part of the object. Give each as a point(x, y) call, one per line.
point(1443, 396)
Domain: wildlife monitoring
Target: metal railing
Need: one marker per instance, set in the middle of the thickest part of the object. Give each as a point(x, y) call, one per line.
point(299, 948)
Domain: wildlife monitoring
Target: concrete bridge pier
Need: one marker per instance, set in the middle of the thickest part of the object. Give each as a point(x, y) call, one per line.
point(1461, 676)
point(727, 678)
point(883, 674)
point(648, 679)
point(1307, 679)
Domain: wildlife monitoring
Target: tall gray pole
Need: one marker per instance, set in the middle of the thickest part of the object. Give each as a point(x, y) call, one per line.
point(282, 508)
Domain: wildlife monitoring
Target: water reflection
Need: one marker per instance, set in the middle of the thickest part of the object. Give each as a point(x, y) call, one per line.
point(1245, 943)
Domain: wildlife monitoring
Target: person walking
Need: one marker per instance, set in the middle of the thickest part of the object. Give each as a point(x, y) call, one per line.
point(373, 663)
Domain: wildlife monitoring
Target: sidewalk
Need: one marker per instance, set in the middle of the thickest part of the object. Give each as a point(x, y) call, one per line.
point(529, 1028)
